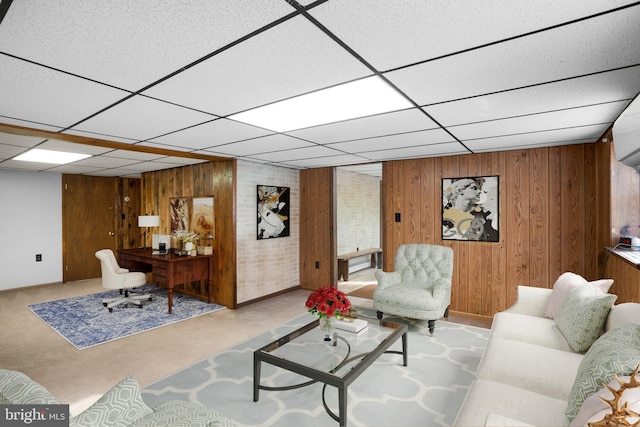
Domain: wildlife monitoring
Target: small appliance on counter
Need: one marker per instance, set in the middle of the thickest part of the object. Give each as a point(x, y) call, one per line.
point(630, 242)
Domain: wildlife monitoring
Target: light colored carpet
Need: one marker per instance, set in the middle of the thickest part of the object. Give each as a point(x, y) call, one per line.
point(85, 322)
point(428, 392)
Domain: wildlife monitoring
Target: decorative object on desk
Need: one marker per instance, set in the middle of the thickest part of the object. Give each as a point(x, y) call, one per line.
point(147, 221)
point(470, 209)
point(328, 303)
point(84, 322)
point(186, 241)
point(273, 211)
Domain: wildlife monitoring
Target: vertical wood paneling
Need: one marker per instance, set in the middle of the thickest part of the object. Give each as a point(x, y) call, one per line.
point(198, 180)
point(539, 217)
point(544, 201)
point(317, 228)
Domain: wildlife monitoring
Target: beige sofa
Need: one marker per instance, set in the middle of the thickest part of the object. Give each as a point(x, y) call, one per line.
point(120, 406)
point(535, 371)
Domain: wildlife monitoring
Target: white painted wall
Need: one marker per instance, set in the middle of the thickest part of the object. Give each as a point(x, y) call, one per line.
point(271, 265)
point(31, 218)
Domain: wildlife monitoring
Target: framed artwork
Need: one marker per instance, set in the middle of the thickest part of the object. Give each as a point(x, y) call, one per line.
point(194, 214)
point(179, 213)
point(470, 208)
point(273, 211)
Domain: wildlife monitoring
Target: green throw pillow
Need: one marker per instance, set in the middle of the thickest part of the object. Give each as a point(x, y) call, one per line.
point(616, 352)
point(582, 315)
point(120, 406)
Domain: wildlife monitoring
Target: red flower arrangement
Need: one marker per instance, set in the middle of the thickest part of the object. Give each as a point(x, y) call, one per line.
point(328, 302)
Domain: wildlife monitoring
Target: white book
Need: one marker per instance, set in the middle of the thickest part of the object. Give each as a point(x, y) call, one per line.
point(354, 325)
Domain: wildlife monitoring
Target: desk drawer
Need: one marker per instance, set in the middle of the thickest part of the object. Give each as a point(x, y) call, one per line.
point(159, 273)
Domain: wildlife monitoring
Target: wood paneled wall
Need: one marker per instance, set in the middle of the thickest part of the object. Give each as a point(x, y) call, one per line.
point(318, 241)
point(205, 179)
point(553, 207)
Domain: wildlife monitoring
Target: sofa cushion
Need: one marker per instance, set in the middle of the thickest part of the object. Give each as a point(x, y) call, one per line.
point(615, 352)
point(120, 406)
point(17, 388)
point(594, 409)
point(177, 413)
point(488, 397)
point(528, 366)
point(566, 283)
point(621, 314)
point(534, 330)
point(582, 315)
point(497, 420)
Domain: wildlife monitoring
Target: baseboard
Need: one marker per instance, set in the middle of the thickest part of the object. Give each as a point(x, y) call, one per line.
point(265, 297)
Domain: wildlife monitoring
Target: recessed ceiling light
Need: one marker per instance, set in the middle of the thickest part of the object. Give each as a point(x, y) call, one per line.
point(360, 98)
point(49, 156)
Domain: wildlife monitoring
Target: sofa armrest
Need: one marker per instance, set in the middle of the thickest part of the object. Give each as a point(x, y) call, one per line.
point(387, 278)
point(183, 413)
point(621, 314)
point(531, 301)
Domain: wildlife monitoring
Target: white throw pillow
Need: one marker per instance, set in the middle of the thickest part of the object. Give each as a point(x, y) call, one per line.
point(594, 409)
point(564, 284)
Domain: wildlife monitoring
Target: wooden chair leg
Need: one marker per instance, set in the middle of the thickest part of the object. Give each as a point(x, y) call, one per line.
point(432, 326)
point(379, 314)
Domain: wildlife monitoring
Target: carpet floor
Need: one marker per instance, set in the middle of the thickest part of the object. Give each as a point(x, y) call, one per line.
point(428, 392)
point(84, 322)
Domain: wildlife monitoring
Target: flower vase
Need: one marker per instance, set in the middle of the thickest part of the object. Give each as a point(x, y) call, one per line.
point(327, 326)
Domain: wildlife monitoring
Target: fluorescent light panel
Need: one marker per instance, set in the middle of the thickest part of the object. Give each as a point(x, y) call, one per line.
point(50, 156)
point(360, 98)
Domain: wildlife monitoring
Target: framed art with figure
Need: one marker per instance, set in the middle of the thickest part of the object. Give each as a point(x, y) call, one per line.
point(470, 208)
point(273, 211)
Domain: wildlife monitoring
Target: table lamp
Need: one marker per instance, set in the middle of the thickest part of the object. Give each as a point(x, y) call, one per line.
point(147, 221)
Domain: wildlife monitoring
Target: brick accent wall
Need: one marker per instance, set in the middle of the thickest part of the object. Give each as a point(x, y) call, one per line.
point(271, 265)
point(358, 211)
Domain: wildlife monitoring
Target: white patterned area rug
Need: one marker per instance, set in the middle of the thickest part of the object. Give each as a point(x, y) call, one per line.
point(428, 392)
point(85, 322)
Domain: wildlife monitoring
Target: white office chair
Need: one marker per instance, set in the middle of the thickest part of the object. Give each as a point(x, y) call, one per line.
point(114, 277)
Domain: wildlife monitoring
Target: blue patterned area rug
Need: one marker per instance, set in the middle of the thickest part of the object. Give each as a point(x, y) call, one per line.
point(85, 322)
point(428, 392)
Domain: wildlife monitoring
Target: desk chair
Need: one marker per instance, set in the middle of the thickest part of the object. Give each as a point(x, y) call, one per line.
point(114, 277)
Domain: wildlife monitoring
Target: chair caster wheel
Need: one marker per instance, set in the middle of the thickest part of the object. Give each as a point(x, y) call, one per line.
point(150, 299)
point(104, 304)
point(110, 309)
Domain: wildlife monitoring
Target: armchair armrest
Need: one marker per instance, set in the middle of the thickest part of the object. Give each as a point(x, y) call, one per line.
point(531, 300)
point(121, 270)
point(442, 290)
point(387, 278)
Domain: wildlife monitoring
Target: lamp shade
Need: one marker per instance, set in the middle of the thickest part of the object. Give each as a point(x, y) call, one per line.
point(148, 221)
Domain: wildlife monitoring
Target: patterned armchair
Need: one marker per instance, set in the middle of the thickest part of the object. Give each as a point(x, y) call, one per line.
point(420, 286)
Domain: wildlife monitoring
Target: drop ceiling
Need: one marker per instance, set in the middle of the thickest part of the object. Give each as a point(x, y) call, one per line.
point(159, 80)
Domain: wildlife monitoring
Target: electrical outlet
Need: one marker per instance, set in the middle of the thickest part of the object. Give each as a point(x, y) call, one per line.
point(38, 257)
point(317, 264)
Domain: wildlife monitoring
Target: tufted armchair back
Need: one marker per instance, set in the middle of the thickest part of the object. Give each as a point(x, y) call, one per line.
point(424, 263)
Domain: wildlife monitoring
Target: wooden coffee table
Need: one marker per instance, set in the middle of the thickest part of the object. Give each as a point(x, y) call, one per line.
point(337, 363)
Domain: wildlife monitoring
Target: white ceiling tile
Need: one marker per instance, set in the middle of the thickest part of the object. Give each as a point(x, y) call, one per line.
point(390, 34)
point(57, 145)
point(595, 89)
point(148, 166)
point(41, 95)
point(433, 136)
point(104, 162)
point(134, 155)
point(445, 149)
point(95, 135)
point(599, 44)
point(19, 140)
point(129, 44)
point(218, 132)
point(345, 159)
point(577, 135)
point(22, 165)
point(74, 168)
point(292, 58)
point(298, 154)
point(117, 172)
point(142, 118)
point(597, 114)
point(264, 144)
point(9, 151)
point(367, 127)
point(181, 161)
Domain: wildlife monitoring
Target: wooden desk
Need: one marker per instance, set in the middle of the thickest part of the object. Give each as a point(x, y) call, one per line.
point(169, 270)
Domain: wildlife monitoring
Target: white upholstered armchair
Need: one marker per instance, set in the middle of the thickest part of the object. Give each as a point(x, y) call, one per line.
point(420, 285)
